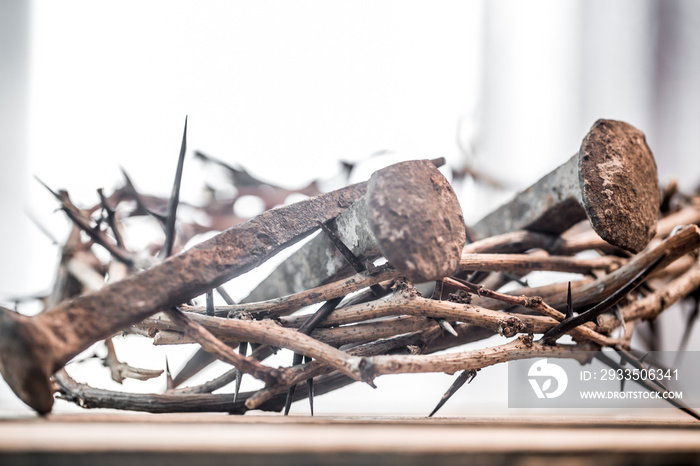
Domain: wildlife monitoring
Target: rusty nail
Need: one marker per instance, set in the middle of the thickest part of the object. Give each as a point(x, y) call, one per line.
point(410, 215)
point(34, 348)
point(612, 181)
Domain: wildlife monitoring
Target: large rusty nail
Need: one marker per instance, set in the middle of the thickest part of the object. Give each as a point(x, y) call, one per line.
point(612, 181)
point(34, 348)
point(410, 215)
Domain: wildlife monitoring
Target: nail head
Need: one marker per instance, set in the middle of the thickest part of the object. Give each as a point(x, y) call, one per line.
point(417, 220)
point(619, 184)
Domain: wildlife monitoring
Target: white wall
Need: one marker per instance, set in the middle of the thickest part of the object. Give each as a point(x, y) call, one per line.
point(14, 49)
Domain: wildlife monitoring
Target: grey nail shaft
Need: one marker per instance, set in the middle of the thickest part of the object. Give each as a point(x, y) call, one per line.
point(410, 215)
point(612, 181)
point(552, 205)
point(318, 260)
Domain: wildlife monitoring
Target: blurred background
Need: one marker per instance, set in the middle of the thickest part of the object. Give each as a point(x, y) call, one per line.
point(288, 90)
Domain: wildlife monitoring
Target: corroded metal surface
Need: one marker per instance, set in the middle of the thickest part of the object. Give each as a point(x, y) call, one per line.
point(612, 181)
point(416, 220)
point(619, 184)
point(410, 215)
point(33, 348)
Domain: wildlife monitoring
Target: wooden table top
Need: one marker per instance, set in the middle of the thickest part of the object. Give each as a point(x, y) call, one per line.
point(132, 438)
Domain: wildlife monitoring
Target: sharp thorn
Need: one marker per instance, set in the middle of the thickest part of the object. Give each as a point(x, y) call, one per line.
point(310, 388)
point(127, 178)
point(569, 305)
point(128, 184)
point(290, 398)
point(168, 376)
point(622, 380)
point(239, 176)
point(174, 200)
point(638, 363)
point(551, 335)
point(55, 194)
point(243, 351)
point(210, 303)
point(462, 378)
point(111, 219)
point(319, 316)
point(298, 358)
point(445, 325)
point(237, 386)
